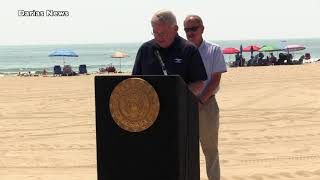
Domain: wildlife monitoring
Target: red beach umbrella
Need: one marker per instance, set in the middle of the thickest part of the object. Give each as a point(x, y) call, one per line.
point(230, 50)
point(248, 48)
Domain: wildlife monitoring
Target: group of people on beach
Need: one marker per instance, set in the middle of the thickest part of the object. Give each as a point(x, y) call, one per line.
point(198, 62)
point(260, 60)
point(44, 72)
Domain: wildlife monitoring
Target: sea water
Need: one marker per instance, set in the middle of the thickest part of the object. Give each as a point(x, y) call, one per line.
point(14, 59)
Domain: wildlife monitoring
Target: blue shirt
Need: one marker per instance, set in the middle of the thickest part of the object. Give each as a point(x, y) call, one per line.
point(213, 60)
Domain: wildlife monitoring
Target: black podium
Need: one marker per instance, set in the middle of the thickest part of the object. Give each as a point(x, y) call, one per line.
point(167, 150)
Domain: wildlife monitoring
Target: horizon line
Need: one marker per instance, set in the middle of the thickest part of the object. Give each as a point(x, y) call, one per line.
point(100, 43)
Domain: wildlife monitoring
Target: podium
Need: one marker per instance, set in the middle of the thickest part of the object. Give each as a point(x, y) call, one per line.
point(167, 150)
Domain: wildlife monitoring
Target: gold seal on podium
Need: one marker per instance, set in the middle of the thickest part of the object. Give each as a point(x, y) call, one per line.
point(134, 105)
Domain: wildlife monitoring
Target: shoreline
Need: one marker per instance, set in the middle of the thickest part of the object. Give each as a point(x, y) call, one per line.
point(50, 73)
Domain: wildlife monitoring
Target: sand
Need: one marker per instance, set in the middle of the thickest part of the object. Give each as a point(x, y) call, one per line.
point(270, 125)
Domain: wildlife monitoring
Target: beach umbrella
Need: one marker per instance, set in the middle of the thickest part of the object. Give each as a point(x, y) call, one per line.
point(251, 48)
point(291, 48)
point(230, 50)
point(63, 53)
point(269, 48)
point(119, 55)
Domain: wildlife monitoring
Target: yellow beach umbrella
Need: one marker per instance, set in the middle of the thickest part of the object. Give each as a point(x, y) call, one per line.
point(119, 55)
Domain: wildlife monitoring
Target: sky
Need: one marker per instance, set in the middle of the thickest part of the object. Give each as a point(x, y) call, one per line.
point(126, 21)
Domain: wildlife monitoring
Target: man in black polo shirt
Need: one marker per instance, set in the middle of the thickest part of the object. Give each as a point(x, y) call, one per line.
point(168, 53)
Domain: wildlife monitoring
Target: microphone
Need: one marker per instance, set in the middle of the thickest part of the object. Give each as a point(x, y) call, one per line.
point(157, 53)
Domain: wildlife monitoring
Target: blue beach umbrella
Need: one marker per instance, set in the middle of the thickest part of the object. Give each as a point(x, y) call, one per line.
point(63, 53)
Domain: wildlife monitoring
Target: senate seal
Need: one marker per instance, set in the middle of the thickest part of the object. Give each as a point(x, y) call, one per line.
point(134, 105)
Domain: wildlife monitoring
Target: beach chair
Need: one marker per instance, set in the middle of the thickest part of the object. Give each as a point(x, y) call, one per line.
point(57, 70)
point(82, 69)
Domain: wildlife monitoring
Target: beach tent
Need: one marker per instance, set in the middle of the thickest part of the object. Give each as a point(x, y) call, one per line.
point(63, 53)
point(119, 55)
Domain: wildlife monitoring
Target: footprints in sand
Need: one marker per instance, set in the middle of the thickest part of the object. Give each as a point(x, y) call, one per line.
point(238, 139)
point(301, 174)
point(283, 159)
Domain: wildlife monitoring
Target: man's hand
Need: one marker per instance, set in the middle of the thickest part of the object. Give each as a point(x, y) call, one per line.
point(196, 87)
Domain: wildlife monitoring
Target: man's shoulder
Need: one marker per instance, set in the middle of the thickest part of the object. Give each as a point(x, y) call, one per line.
point(183, 43)
point(212, 45)
point(148, 44)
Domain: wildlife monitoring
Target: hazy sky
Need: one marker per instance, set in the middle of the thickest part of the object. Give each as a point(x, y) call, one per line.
point(112, 21)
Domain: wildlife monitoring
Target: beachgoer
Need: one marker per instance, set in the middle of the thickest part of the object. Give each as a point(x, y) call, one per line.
point(179, 57)
point(238, 59)
point(215, 65)
point(273, 59)
point(44, 72)
point(307, 58)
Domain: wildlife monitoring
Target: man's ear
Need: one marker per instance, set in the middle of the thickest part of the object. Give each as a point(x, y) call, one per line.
point(176, 28)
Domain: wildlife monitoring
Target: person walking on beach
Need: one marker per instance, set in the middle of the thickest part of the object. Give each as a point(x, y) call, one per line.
point(170, 54)
point(215, 65)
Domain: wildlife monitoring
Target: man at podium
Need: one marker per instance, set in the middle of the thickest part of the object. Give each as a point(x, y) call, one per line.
point(170, 54)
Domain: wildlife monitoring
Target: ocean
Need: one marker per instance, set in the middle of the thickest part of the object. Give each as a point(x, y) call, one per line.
point(14, 59)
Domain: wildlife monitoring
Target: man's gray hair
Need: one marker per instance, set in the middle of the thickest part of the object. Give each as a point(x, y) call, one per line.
point(164, 16)
point(194, 18)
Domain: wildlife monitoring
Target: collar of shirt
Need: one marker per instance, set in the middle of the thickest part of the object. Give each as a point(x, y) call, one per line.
point(203, 45)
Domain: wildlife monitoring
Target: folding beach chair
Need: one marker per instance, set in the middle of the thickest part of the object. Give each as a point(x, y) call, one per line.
point(57, 70)
point(82, 69)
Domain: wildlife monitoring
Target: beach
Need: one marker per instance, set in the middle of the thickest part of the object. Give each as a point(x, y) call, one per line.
point(269, 125)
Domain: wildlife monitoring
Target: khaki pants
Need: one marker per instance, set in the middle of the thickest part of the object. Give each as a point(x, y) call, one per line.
point(208, 132)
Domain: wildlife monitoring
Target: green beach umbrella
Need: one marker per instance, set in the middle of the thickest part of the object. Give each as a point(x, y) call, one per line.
point(269, 48)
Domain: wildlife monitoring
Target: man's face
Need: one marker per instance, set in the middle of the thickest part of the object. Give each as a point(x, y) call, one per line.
point(193, 31)
point(164, 34)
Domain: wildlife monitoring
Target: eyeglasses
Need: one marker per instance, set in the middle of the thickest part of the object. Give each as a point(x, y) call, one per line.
point(192, 29)
point(161, 34)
